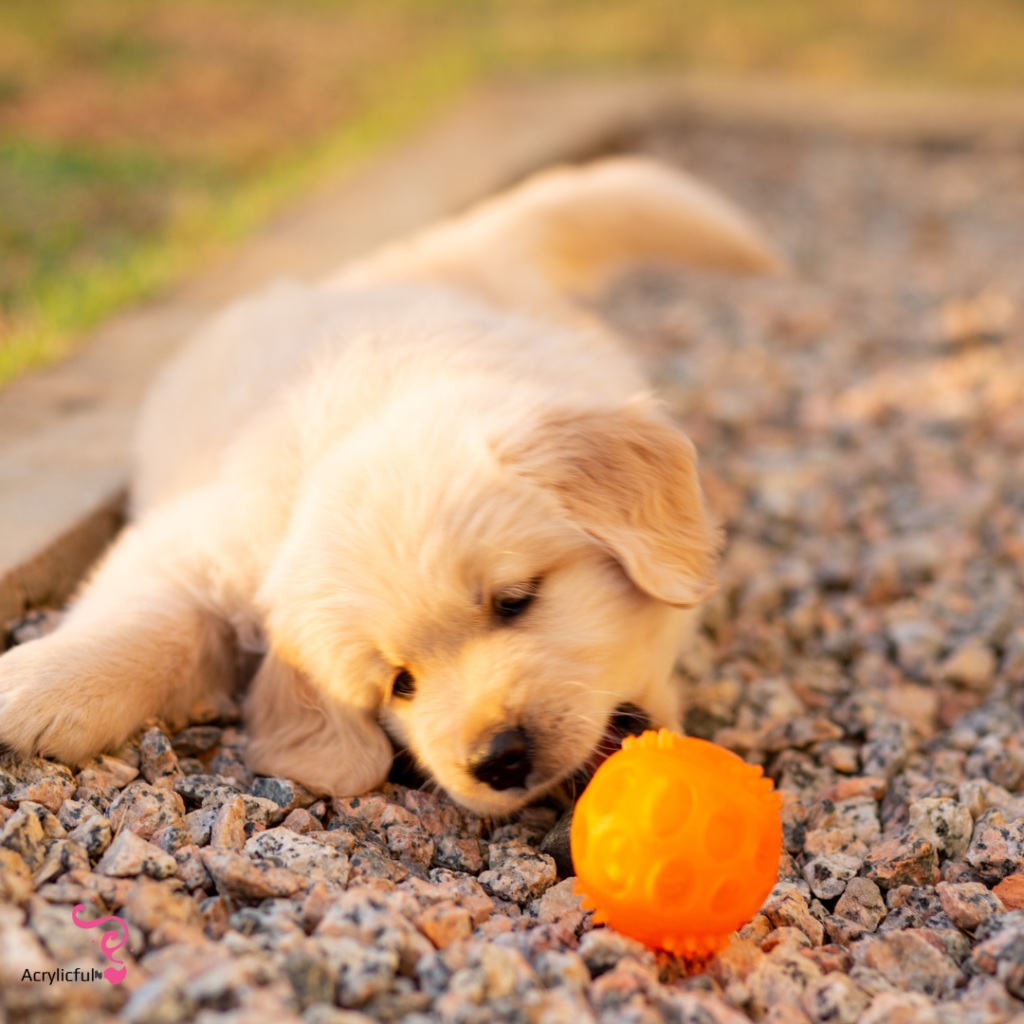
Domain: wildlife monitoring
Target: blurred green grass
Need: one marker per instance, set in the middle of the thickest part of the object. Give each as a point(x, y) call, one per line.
point(138, 138)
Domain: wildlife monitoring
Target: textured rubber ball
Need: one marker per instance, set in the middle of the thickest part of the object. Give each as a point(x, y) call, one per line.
point(676, 842)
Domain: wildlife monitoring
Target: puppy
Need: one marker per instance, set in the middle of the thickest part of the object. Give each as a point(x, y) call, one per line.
point(431, 496)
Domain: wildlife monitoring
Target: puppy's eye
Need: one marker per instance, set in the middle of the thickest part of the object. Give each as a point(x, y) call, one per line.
point(514, 602)
point(404, 685)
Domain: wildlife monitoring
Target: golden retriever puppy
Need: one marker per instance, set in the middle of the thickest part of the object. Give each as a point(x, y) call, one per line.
point(434, 500)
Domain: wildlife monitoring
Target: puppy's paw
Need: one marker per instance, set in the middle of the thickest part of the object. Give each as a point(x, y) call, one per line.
point(335, 753)
point(48, 709)
point(330, 769)
point(297, 732)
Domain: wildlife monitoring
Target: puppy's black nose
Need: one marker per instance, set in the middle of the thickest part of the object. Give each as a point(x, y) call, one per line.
point(506, 762)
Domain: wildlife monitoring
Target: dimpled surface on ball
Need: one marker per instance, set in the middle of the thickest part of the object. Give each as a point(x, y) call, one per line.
point(676, 842)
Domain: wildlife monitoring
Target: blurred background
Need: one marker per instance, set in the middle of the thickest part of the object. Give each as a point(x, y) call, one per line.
point(138, 138)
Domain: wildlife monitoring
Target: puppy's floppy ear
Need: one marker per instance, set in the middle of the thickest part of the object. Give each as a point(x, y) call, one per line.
point(630, 480)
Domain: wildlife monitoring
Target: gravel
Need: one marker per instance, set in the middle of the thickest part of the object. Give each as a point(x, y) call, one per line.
point(861, 429)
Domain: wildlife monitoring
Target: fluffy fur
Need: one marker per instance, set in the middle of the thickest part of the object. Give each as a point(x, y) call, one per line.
point(343, 479)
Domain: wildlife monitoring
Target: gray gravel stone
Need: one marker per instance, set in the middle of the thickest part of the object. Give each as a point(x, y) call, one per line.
point(458, 854)
point(365, 865)
point(602, 948)
point(492, 976)
point(995, 851)
point(827, 876)
point(190, 868)
point(411, 843)
point(144, 809)
point(562, 968)
point(923, 900)
point(908, 960)
point(196, 740)
point(968, 904)
point(984, 1001)
point(321, 1013)
point(51, 792)
point(561, 905)
point(198, 825)
point(129, 855)
point(280, 847)
point(309, 977)
point(61, 855)
point(237, 876)
point(834, 999)
point(286, 794)
point(518, 872)
point(231, 764)
point(946, 823)
point(860, 815)
point(115, 772)
point(228, 826)
point(1000, 950)
point(907, 859)
point(15, 878)
point(160, 1000)
point(73, 813)
point(158, 762)
point(360, 971)
point(23, 833)
point(862, 903)
point(94, 834)
point(789, 910)
point(194, 789)
point(900, 1008)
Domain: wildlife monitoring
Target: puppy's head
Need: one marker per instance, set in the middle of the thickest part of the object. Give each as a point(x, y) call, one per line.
point(497, 600)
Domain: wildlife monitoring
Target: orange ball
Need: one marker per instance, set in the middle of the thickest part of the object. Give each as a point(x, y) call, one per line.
point(676, 842)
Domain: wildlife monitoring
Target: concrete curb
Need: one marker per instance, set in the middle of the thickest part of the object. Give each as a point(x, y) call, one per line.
point(65, 433)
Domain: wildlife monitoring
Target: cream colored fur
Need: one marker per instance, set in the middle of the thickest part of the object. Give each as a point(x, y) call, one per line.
point(342, 478)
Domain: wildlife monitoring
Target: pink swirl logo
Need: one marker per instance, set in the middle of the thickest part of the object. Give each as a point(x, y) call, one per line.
point(110, 942)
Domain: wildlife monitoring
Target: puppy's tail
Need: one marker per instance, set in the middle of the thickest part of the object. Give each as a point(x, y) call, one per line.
point(565, 232)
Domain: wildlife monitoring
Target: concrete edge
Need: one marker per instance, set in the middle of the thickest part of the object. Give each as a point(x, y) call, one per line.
point(72, 424)
point(51, 577)
point(977, 119)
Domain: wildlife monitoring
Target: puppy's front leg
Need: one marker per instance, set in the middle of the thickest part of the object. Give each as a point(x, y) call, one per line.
point(144, 639)
point(295, 731)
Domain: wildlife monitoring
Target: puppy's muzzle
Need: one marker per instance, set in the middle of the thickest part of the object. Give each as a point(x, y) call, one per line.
point(506, 762)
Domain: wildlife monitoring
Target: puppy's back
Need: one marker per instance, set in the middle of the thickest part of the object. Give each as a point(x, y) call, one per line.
point(533, 249)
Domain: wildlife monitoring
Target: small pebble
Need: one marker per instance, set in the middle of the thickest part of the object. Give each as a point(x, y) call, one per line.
point(909, 859)
point(909, 960)
point(790, 910)
point(158, 762)
point(968, 903)
point(15, 878)
point(285, 793)
point(445, 923)
point(602, 948)
point(518, 872)
point(862, 903)
point(236, 875)
point(143, 808)
point(130, 855)
point(228, 826)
